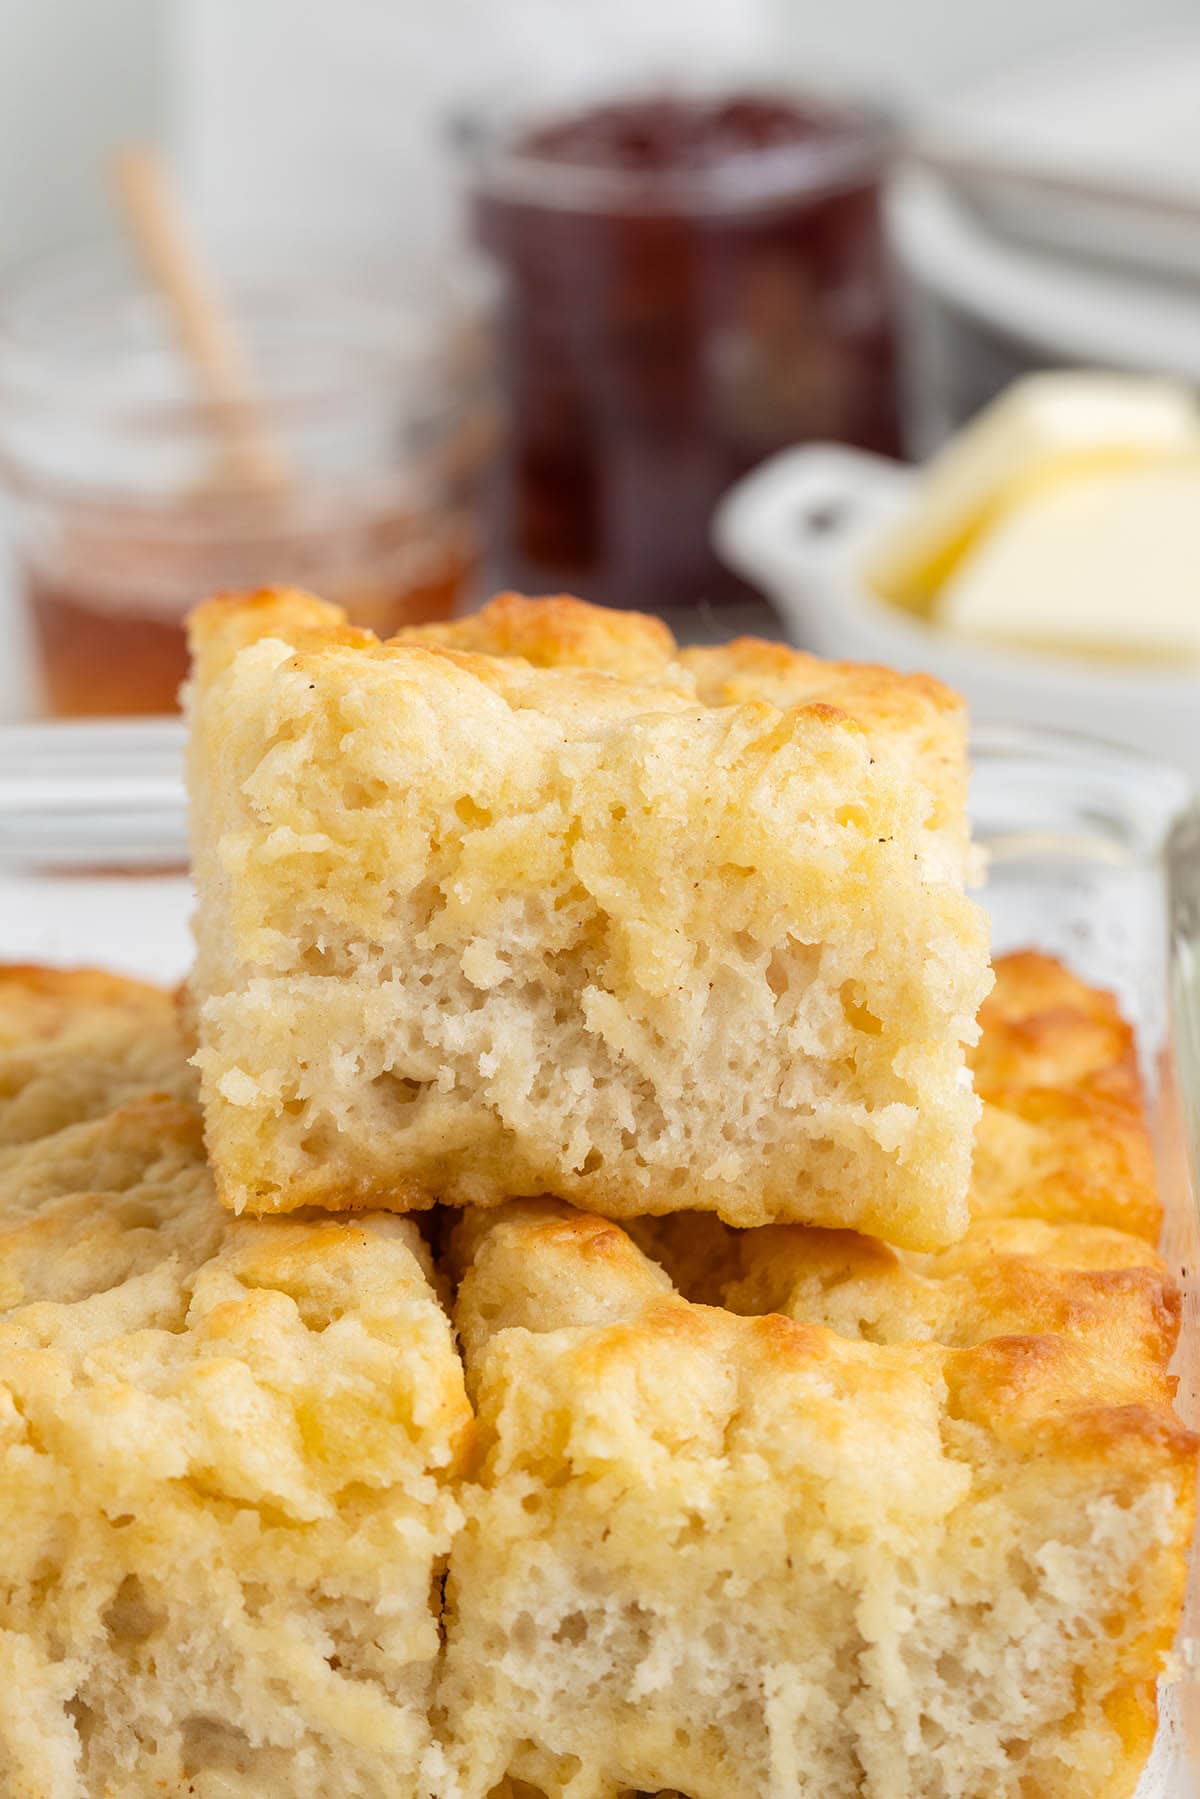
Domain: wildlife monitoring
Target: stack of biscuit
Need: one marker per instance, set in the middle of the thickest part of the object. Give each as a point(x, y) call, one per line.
point(573, 1305)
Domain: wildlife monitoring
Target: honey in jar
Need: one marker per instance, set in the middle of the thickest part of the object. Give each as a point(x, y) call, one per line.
point(124, 514)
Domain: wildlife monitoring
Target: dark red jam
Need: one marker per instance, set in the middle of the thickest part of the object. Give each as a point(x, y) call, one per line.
point(691, 284)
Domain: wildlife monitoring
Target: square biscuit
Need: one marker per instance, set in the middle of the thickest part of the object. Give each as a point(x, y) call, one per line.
point(476, 926)
point(228, 1450)
point(760, 1554)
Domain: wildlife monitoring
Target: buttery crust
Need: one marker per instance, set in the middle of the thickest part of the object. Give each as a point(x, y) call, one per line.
point(474, 925)
point(922, 719)
point(559, 632)
point(913, 713)
point(1044, 1027)
point(1063, 1134)
point(72, 1039)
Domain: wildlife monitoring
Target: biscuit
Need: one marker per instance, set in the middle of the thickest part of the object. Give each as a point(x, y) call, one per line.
point(228, 1450)
point(718, 1554)
point(471, 928)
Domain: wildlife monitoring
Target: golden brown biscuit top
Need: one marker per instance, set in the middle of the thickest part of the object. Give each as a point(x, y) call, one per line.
point(73, 1011)
point(572, 637)
point(640, 1370)
point(74, 1043)
point(1043, 1027)
point(558, 632)
point(1063, 1134)
point(755, 668)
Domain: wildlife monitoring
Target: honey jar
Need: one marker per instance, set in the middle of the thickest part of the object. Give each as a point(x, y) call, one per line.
point(124, 510)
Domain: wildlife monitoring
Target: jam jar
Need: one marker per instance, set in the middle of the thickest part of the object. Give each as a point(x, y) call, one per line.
point(690, 282)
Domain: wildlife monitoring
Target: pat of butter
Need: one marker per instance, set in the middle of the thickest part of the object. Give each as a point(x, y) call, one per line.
point(1104, 566)
point(1044, 429)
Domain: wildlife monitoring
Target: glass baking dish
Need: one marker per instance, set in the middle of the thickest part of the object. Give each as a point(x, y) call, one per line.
point(1093, 854)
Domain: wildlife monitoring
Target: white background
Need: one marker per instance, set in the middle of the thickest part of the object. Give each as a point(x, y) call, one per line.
point(286, 108)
